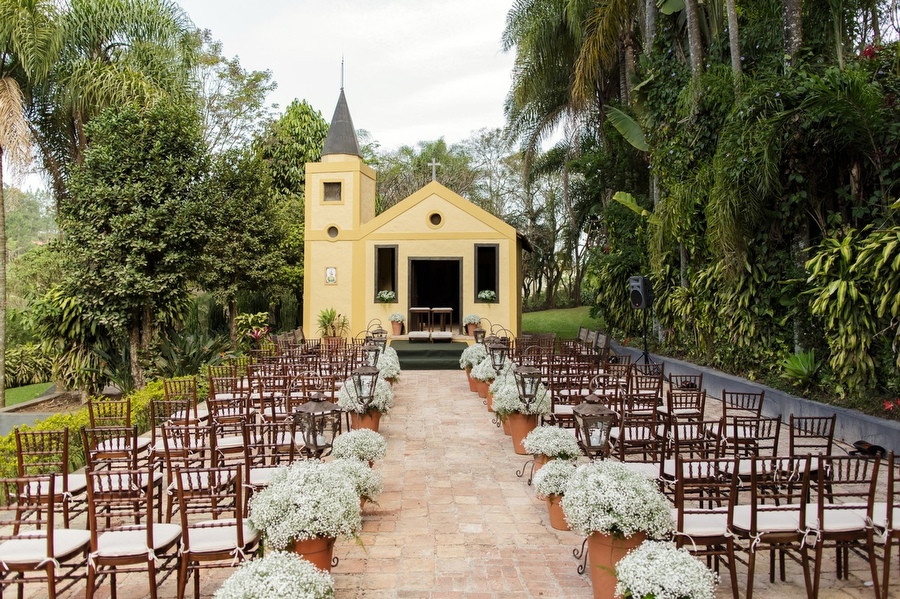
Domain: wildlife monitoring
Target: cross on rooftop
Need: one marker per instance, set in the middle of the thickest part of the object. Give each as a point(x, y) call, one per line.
point(434, 164)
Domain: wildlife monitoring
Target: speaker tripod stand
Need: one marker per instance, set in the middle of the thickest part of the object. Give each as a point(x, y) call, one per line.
point(645, 355)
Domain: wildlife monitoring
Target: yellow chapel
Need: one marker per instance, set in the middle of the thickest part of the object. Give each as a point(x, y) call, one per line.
point(435, 250)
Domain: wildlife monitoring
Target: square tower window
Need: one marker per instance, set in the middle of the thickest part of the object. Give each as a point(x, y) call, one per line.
point(331, 191)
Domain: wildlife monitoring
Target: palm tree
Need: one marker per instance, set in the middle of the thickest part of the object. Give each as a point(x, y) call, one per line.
point(27, 49)
point(112, 52)
point(792, 22)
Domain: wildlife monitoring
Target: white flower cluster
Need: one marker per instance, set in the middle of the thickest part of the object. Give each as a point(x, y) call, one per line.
point(552, 441)
point(473, 355)
point(304, 500)
point(278, 575)
point(605, 496)
point(659, 570)
point(471, 319)
point(367, 482)
point(359, 444)
point(553, 477)
point(383, 400)
point(389, 364)
point(484, 370)
point(506, 395)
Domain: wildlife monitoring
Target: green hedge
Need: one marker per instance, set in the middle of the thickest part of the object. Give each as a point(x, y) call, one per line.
point(140, 417)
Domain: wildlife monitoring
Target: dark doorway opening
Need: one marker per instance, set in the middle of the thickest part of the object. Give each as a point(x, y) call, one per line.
point(437, 283)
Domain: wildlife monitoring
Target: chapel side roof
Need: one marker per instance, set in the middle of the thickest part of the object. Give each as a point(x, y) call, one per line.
point(341, 137)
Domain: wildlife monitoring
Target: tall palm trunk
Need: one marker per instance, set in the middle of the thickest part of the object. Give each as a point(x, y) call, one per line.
point(695, 41)
point(792, 23)
point(649, 25)
point(2, 287)
point(734, 43)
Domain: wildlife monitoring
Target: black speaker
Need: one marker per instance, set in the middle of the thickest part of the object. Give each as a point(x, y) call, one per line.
point(641, 292)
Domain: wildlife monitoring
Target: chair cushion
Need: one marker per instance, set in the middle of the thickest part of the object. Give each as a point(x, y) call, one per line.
point(844, 519)
point(215, 536)
point(879, 515)
point(31, 548)
point(712, 523)
point(768, 519)
point(124, 543)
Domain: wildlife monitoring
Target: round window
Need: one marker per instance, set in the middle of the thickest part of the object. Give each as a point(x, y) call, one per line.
point(435, 219)
point(332, 232)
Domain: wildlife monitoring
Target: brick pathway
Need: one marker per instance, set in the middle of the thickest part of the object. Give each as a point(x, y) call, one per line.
point(455, 521)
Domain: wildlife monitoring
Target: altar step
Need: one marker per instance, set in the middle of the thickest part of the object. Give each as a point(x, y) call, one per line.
point(428, 356)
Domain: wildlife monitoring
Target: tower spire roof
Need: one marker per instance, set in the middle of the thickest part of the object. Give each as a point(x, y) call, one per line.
point(341, 137)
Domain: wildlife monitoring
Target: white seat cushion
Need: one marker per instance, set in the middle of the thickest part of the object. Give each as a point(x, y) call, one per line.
point(768, 519)
point(879, 515)
point(77, 484)
point(31, 548)
point(123, 543)
point(208, 538)
point(712, 523)
point(844, 519)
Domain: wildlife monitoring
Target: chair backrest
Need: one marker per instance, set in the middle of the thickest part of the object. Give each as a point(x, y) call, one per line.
point(772, 485)
point(694, 439)
point(188, 446)
point(637, 436)
point(42, 452)
point(646, 384)
point(687, 383)
point(270, 443)
point(215, 498)
point(811, 434)
point(27, 506)
point(109, 412)
point(756, 437)
point(639, 405)
point(702, 485)
point(742, 404)
point(110, 448)
point(120, 499)
point(686, 401)
point(844, 483)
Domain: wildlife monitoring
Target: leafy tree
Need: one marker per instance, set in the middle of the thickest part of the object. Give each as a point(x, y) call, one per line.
point(232, 100)
point(27, 50)
point(29, 220)
point(110, 53)
point(406, 170)
point(242, 252)
point(135, 225)
point(286, 145)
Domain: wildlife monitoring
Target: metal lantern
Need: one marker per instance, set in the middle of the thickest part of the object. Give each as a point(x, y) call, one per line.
point(378, 337)
point(479, 335)
point(528, 380)
point(364, 380)
point(370, 353)
point(593, 422)
point(319, 422)
point(498, 354)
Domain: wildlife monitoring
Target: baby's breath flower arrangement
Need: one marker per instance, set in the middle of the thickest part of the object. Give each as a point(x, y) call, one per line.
point(471, 319)
point(396, 317)
point(366, 481)
point(553, 477)
point(382, 401)
point(278, 575)
point(473, 355)
point(506, 397)
point(305, 500)
point(360, 444)
point(389, 364)
point(483, 371)
point(487, 295)
point(553, 442)
point(606, 497)
point(660, 571)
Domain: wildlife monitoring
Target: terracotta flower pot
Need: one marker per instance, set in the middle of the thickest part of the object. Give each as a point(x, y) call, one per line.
point(519, 427)
point(472, 381)
point(470, 329)
point(604, 552)
point(397, 328)
point(369, 420)
point(505, 424)
point(317, 550)
point(490, 401)
point(554, 508)
point(482, 388)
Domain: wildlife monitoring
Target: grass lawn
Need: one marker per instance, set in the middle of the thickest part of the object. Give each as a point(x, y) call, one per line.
point(17, 395)
point(564, 323)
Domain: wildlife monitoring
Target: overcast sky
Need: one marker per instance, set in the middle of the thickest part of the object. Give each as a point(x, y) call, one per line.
point(415, 70)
